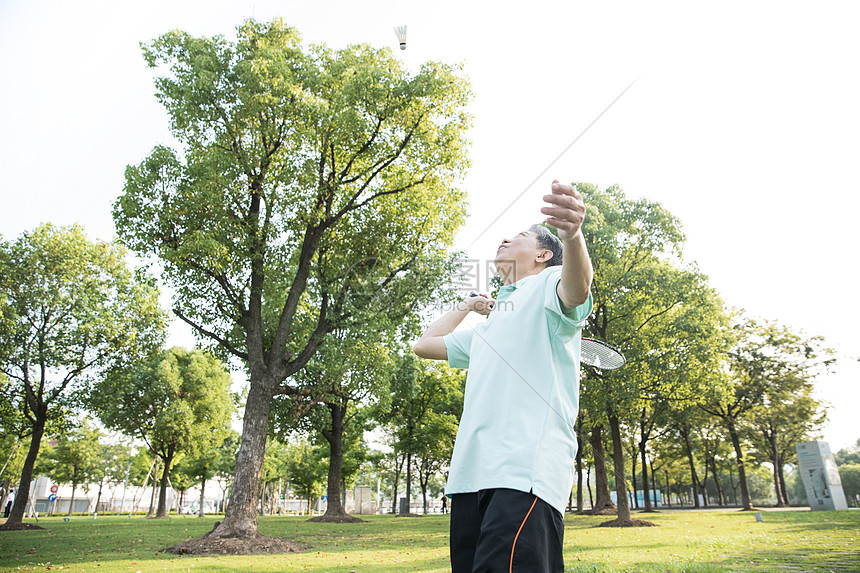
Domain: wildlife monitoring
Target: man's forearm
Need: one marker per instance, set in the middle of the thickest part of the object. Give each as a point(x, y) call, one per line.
point(447, 322)
point(431, 344)
point(576, 273)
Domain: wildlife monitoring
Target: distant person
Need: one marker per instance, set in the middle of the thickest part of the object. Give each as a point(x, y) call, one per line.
point(444, 504)
point(511, 470)
point(9, 500)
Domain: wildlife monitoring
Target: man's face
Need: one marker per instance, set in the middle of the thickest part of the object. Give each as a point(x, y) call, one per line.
point(518, 250)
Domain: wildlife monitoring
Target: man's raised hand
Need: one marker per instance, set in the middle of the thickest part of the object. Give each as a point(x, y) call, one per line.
point(566, 210)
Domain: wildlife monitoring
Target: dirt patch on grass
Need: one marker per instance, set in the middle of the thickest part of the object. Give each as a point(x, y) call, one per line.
point(19, 526)
point(336, 519)
point(627, 523)
point(259, 544)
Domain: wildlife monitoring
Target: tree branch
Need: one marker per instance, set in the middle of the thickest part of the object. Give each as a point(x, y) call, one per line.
point(232, 349)
point(323, 326)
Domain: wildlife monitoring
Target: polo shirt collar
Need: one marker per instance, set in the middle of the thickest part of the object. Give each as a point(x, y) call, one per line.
point(520, 283)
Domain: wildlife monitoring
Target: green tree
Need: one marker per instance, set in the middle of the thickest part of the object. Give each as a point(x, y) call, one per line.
point(849, 475)
point(350, 373)
point(639, 287)
point(13, 431)
point(679, 359)
point(181, 479)
point(78, 310)
point(210, 459)
point(307, 469)
point(426, 404)
point(764, 357)
point(298, 166)
point(74, 459)
point(436, 442)
point(789, 414)
point(113, 461)
point(176, 402)
point(225, 465)
point(849, 455)
point(274, 469)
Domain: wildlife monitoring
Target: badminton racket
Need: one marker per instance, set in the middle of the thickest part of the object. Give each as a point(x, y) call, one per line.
point(598, 354)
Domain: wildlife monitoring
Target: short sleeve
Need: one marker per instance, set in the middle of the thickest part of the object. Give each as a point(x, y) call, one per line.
point(459, 346)
point(570, 320)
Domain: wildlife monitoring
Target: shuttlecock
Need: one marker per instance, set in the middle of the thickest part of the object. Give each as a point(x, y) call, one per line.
point(401, 36)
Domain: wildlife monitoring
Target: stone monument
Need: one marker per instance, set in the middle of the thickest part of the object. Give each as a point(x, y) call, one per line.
point(820, 476)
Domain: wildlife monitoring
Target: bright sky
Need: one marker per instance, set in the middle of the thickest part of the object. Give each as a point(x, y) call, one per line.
point(743, 122)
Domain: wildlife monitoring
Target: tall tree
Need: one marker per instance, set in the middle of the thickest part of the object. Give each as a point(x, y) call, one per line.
point(299, 165)
point(349, 374)
point(788, 412)
point(14, 430)
point(177, 401)
point(81, 313)
point(635, 247)
point(764, 356)
point(425, 407)
point(203, 464)
point(306, 469)
point(849, 474)
point(681, 360)
point(274, 468)
point(75, 459)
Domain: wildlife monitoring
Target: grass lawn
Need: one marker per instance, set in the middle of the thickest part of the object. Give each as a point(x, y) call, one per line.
point(689, 541)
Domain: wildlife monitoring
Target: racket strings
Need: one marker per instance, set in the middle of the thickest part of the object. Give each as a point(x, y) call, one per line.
point(600, 355)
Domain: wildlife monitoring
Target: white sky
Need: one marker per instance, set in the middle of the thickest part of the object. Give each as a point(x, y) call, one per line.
point(744, 123)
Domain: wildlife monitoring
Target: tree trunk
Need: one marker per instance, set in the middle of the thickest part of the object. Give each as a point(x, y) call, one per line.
point(720, 494)
point(200, 511)
point(398, 462)
point(746, 500)
point(780, 502)
point(685, 432)
point(588, 484)
point(633, 461)
point(579, 502)
point(22, 496)
point(408, 482)
point(99, 496)
point(240, 518)
point(782, 485)
point(162, 493)
point(655, 486)
point(668, 489)
point(424, 480)
point(601, 480)
point(335, 511)
point(151, 512)
point(273, 498)
point(618, 462)
point(74, 488)
point(733, 486)
point(645, 484)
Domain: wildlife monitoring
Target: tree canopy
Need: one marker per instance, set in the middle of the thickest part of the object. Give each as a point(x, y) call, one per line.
point(311, 185)
point(178, 401)
point(72, 309)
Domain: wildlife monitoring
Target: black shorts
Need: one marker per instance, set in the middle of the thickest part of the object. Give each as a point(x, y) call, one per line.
point(504, 530)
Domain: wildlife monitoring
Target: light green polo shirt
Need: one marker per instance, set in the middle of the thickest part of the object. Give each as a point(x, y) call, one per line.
point(522, 393)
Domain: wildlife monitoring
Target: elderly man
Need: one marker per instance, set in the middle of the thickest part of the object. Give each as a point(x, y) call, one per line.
point(512, 467)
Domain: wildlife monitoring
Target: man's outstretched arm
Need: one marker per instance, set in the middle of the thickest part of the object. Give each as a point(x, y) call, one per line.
point(567, 213)
point(431, 344)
